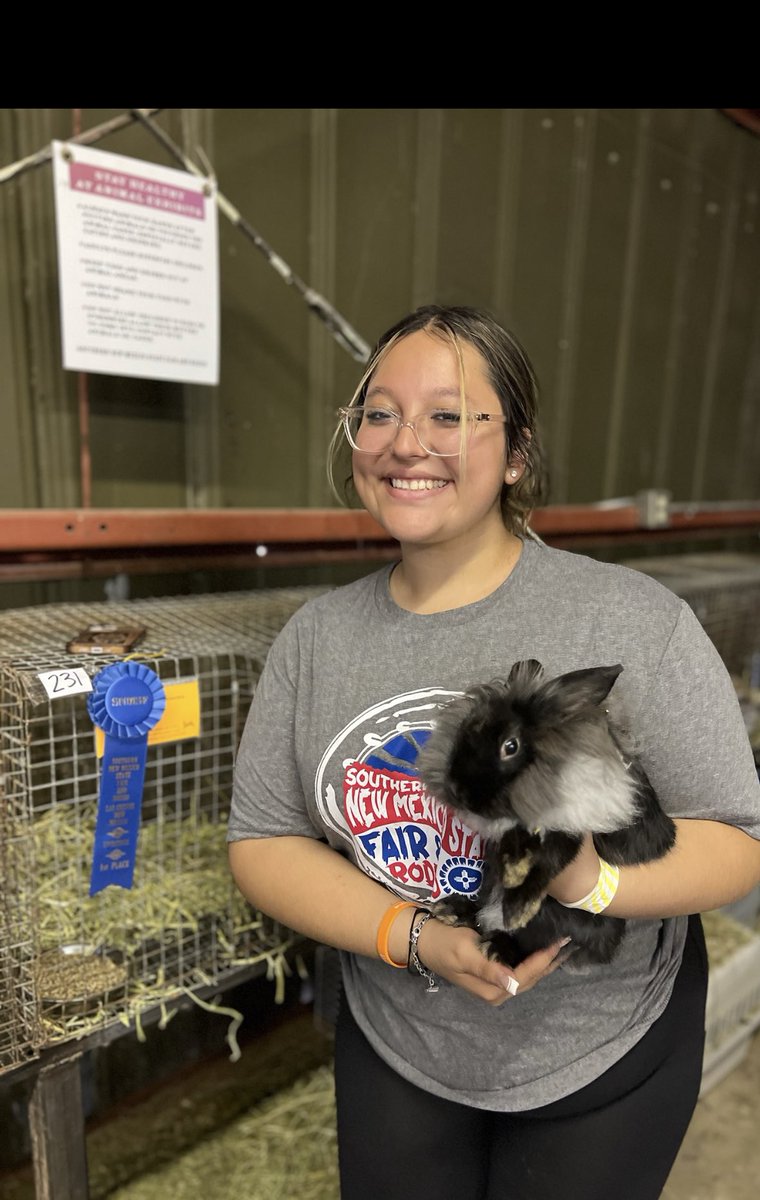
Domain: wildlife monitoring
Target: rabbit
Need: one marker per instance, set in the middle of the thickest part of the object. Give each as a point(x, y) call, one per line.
point(533, 764)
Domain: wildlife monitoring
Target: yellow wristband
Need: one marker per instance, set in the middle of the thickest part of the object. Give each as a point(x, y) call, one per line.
point(602, 893)
point(384, 928)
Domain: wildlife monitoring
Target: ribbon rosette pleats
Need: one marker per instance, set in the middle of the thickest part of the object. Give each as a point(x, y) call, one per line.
point(127, 700)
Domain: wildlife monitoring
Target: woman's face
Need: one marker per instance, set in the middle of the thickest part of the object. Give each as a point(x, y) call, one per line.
point(418, 374)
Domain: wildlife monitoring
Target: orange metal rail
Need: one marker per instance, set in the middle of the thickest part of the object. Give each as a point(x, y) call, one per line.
point(37, 544)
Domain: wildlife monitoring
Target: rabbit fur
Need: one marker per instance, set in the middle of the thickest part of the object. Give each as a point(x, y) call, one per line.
point(533, 764)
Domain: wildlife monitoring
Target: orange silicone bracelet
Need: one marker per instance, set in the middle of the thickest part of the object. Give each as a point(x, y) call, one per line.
point(384, 928)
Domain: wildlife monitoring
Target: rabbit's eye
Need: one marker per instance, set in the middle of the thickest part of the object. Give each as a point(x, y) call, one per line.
point(509, 748)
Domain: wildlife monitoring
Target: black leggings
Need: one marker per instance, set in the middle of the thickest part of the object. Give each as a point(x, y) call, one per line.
point(617, 1137)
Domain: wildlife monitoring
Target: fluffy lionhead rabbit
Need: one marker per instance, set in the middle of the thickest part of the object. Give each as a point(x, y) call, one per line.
point(533, 764)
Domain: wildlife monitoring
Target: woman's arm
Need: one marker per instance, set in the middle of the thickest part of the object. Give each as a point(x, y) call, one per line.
point(312, 889)
point(711, 864)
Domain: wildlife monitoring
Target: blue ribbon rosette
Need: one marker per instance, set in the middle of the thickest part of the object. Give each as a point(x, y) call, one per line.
point(127, 700)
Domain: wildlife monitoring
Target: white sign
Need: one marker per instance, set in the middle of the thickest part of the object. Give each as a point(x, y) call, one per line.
point(138, 262)
point(67, 682)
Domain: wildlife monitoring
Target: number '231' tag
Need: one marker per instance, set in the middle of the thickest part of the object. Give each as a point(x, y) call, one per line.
point(67, 682)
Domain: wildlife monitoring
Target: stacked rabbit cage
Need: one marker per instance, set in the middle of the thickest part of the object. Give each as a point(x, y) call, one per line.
point(72, 962)
point(723, 589)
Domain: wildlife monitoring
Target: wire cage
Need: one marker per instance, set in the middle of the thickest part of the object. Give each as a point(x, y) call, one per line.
point(723, 589)
point(71, 962)
point(733, 995)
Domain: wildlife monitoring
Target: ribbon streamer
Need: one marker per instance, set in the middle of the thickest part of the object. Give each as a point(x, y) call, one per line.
point(127, 700)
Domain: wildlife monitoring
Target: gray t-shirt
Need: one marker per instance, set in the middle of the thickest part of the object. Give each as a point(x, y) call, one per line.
point(349, 691)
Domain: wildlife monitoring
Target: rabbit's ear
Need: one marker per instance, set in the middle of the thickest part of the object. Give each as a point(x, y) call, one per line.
point(578, 689)
point(525, 671)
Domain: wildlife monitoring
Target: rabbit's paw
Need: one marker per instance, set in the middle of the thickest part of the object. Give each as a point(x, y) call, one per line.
point(500, 946)
point(515, 871)
point(454, 910)
point(518, 911)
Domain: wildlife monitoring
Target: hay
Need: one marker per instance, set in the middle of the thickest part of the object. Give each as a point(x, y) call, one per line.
point(285, 1146)
point(724, 936)
point(181, 872)
point(182, 919)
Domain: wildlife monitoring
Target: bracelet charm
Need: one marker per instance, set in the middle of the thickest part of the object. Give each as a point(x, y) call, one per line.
point(420, 919)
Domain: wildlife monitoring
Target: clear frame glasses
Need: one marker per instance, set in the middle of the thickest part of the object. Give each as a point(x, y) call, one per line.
point(373, 430)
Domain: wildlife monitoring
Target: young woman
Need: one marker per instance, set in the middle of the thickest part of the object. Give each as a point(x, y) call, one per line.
point(538, 1081)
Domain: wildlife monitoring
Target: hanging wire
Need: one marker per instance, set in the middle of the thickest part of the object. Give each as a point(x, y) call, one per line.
point(88, 138)
point(341, 330)
point(339, 327)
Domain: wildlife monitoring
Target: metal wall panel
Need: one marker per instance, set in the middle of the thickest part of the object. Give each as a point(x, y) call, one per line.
point(263, 164)
point(50, 419)
point(18, 468)
point(602, 309)
point(386, 242)
point(621, 245)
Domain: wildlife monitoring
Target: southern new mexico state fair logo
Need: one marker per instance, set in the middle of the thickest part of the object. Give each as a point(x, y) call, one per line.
point(368, 790)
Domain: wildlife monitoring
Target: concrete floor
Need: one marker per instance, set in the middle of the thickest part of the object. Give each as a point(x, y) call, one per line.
point(720, 1157)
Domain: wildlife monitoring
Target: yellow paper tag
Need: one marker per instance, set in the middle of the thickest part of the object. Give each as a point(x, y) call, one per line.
point(181, 718)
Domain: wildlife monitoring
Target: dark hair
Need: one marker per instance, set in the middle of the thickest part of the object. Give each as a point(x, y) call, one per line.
point(512, 377)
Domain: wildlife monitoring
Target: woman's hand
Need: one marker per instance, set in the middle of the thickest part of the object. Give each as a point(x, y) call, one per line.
point(454, 953)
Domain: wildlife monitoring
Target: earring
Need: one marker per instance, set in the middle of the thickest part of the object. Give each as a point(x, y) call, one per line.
point(513, 473)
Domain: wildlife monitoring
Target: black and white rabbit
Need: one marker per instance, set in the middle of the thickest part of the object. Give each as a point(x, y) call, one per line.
point(533, 764)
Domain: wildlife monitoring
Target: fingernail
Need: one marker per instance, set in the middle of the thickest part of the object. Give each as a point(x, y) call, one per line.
point(512, 985)
point(564, 941)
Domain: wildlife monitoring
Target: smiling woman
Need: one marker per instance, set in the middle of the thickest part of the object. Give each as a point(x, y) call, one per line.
point(426, 500)
point(543, 1078)
point(443, 431)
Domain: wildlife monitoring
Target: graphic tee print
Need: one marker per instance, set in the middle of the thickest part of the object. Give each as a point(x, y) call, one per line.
point(368, 791)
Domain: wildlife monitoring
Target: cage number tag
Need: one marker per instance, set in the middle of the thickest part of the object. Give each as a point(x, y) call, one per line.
point(65, 683)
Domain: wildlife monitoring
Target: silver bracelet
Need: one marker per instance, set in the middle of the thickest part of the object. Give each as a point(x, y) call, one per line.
point(421, 917)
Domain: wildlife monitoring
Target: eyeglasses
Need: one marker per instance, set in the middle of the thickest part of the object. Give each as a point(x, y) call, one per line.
point(373, 430)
